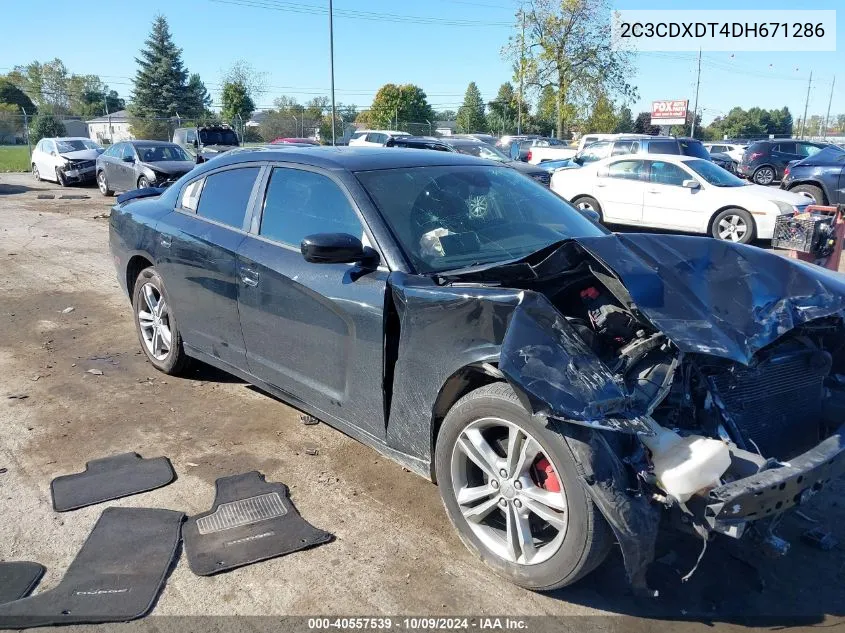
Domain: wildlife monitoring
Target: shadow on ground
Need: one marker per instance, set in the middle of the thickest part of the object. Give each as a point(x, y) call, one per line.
point(8, 190)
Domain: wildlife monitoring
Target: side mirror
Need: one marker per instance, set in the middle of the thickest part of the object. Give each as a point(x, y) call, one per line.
point(334, 248)
point(591, 214)
point(128, 159)
point(577, 159)
point(691, 184)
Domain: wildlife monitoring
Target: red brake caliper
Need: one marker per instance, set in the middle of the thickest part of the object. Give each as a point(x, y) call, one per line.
point(545, 476)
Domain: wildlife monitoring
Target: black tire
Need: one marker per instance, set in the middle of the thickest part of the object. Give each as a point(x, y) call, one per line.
point(35, 173)
point(750, 233)
point(103, 184)
point(176, 360)
point(60, 178)
point(815, 192)
point(587, 537)
point(588, 202)
point(764, 175)
point(143, 182)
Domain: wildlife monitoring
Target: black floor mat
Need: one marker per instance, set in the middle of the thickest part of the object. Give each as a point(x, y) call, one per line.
point(110, 478)
point(251, 521)
point(18, 579)
point(115, 577)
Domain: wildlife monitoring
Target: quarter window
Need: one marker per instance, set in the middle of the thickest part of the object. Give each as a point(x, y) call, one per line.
point(663, 147)
point(625, 147)
point(301, 203)
point(191, 195)
point(805, 149)
point(667, 174)
point(225, 195)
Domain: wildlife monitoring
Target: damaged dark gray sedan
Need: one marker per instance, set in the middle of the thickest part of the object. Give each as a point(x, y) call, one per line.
point(566, 387)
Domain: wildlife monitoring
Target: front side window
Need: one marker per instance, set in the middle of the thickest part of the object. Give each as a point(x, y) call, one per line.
point(595, 152)
point(805, 149)
point(668, 174)
point(715, 149)
point(127, 151)
point(372, 137)
point(190, 137)
point(160, 153)
point(448, 217)
point(225, 195)
point(714, 174)
point(693, 148)
point(786, 148)
point(626, 169)
point(625, 147)
point(114, 150)
point(301, 203)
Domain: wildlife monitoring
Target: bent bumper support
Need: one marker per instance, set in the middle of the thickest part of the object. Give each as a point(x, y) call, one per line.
point(773, 491)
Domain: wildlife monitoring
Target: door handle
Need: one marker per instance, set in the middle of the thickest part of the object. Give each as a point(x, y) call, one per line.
point(601, 184)
point(249, 277)
point(654, 190)
point(165, 241)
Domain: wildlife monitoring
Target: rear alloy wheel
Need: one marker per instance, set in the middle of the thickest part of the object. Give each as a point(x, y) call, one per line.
point(733, 225)
point(35, 173)
point(511, 488)
point(157, 331)
point(764, 175)
point(143, 182)
point(103, 184)
point(811, 191)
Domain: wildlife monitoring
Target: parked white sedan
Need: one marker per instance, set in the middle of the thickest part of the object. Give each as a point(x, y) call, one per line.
point(681, 193)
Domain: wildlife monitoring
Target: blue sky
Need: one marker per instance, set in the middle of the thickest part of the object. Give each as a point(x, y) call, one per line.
point(290, 44)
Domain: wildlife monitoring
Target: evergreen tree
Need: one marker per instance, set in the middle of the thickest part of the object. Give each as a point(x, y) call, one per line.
point(12, 95)
point(161, 87)
point(198, 101)
point(236, 102)
point(471, 114)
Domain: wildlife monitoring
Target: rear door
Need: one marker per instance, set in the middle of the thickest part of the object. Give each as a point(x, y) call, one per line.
point(198, 259)
point(314, 331)
point(619, 189)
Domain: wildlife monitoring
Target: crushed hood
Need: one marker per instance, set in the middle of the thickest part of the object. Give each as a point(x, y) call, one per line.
point(714, 297)
point(171, 167)
point(81, 154)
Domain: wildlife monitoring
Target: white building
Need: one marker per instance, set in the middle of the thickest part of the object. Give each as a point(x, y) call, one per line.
point(111, 128)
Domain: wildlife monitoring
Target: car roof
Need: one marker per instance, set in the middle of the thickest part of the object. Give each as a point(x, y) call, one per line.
point(145, 143)
point(349, 158)
point(68, 138)
point(444, 140)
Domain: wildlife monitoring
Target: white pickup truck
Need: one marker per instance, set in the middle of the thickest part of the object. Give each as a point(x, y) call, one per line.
point(540, 154)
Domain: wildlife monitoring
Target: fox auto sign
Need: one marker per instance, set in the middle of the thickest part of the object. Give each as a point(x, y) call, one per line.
point(672, 112)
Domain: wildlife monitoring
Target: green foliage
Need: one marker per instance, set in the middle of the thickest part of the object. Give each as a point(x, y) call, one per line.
point(237, 103)
point(160, 87)
point(471, 114)
point(602, 118)
point(754, 122)
point(10, 94)
point(45, 125)
point(252, 135)
point(397, 105)
point(150, 128)
point(197, 99)
point(642, 124)
point(567, 45)
point(445, 115)
point(502, 111)
point(11, 122)
point(624, 121)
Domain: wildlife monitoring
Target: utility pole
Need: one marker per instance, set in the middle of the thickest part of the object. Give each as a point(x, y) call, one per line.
point(331, 65)
point(806, 103)
point(827, 116)
point(521, 69)
point(695, 107)
point(26, 131)
point(105, 104)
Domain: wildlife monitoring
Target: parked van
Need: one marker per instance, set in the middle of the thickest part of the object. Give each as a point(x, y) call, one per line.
point(206, 141)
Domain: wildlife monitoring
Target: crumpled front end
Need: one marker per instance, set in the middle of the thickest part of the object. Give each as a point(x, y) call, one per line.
point(723, 365)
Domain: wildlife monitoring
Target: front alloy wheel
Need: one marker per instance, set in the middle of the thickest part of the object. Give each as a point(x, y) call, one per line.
point(508, 491)
point(514, 492)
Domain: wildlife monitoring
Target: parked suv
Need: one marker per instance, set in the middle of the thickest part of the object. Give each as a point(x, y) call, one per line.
point(764, 161)
point(681, 146)
point(471, 147)
point(206, 141)
point(820, 176)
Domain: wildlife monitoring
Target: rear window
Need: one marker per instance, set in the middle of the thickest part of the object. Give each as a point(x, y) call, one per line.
point(757, 147)
point(225, 196)
point(663, 147)
point(694, 148)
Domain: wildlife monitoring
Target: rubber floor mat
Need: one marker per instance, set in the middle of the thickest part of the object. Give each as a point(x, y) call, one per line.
point(251, 521)
point(115, 577)
point(18, 579)
point(110, 478)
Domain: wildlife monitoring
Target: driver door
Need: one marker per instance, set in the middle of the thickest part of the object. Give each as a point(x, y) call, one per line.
point(668, 204)
point(313, 331)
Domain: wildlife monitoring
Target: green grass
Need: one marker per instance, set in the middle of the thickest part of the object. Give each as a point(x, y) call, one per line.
point(14, 158)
